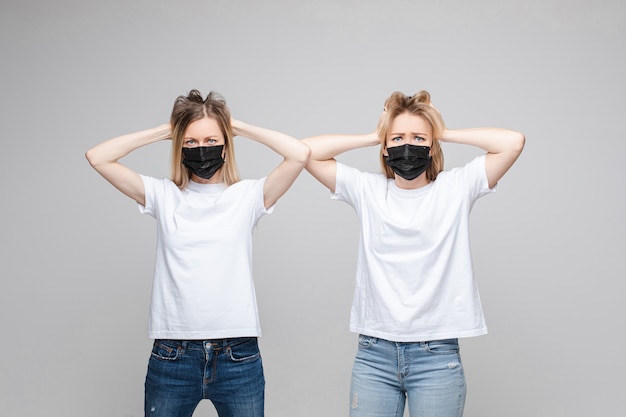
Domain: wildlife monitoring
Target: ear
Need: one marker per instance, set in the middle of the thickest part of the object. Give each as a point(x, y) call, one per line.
point(385, 153)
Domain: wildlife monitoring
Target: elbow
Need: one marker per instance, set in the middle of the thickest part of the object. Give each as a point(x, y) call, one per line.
point(91, 158)
point(517, 142)
point(304, 154)
point(95, 158)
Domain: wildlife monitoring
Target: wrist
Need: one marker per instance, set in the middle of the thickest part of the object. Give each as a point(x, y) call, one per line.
point(164, 131)
point(237, 126)
point(446, 134)
point(373, 139)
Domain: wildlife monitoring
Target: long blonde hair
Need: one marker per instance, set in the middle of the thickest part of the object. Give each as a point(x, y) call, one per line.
point(418, 105)
point(187, 109)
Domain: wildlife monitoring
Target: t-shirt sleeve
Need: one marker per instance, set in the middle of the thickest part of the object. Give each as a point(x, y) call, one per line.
point(258, 202)
point(474, 177)
point(347, 184)
point(150, 186)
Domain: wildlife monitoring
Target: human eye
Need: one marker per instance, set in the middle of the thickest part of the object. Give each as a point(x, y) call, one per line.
point(418, 138)
point(190, 142)
point(396, 138)
point(212, 141)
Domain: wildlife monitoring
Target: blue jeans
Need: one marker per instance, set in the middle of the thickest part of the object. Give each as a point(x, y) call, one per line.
point(181, 373)
point(427, 375)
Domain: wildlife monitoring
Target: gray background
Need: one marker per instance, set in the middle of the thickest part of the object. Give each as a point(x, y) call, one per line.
point(77, 257)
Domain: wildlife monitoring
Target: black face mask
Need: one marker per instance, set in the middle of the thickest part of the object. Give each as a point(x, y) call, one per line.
point(408, 161)
point(204, 161)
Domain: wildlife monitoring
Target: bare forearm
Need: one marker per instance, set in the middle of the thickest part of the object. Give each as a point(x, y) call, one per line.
point(116, 148)
point(326, 147)
point(503, 147)
point(281, 143)
point(490, 139)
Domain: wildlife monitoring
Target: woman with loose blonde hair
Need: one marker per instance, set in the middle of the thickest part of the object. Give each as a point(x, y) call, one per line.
point(415, 292)
point(203, 316)
point(188, 109)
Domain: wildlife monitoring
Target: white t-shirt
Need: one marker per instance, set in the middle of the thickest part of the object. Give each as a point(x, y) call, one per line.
point(414, 279)
point(203, 287)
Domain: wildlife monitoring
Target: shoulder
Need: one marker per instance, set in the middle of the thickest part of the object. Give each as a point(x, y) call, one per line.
point(246, 185)
point(346, 172)
point(471, 177)
point(157, 191)
point(157, 184)
point(474, 167)
point(245, 189)
point(354, 185)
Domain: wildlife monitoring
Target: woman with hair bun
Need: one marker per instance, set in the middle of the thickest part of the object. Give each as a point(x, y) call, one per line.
point(415, 292)
point(203, 315)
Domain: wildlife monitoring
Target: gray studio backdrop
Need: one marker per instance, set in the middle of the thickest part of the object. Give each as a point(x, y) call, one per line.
point(77, 257)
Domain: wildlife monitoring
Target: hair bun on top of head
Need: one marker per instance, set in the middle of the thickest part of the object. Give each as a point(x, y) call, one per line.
point(215, 98)
point(401, 100)
point(194, 96)
point(421, 97)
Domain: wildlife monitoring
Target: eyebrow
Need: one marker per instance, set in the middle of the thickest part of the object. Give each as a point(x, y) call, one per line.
point(412, 133)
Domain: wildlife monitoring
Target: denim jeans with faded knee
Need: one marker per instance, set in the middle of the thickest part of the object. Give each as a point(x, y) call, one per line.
point(426, 376)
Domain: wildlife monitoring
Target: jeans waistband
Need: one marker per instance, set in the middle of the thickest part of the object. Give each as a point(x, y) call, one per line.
point(424, 342)
point(202, 343)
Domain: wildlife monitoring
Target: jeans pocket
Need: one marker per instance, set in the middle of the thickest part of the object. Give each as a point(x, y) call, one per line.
point(443, 347)
point(366, 341)
point(166, 350)
point(244, 350)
